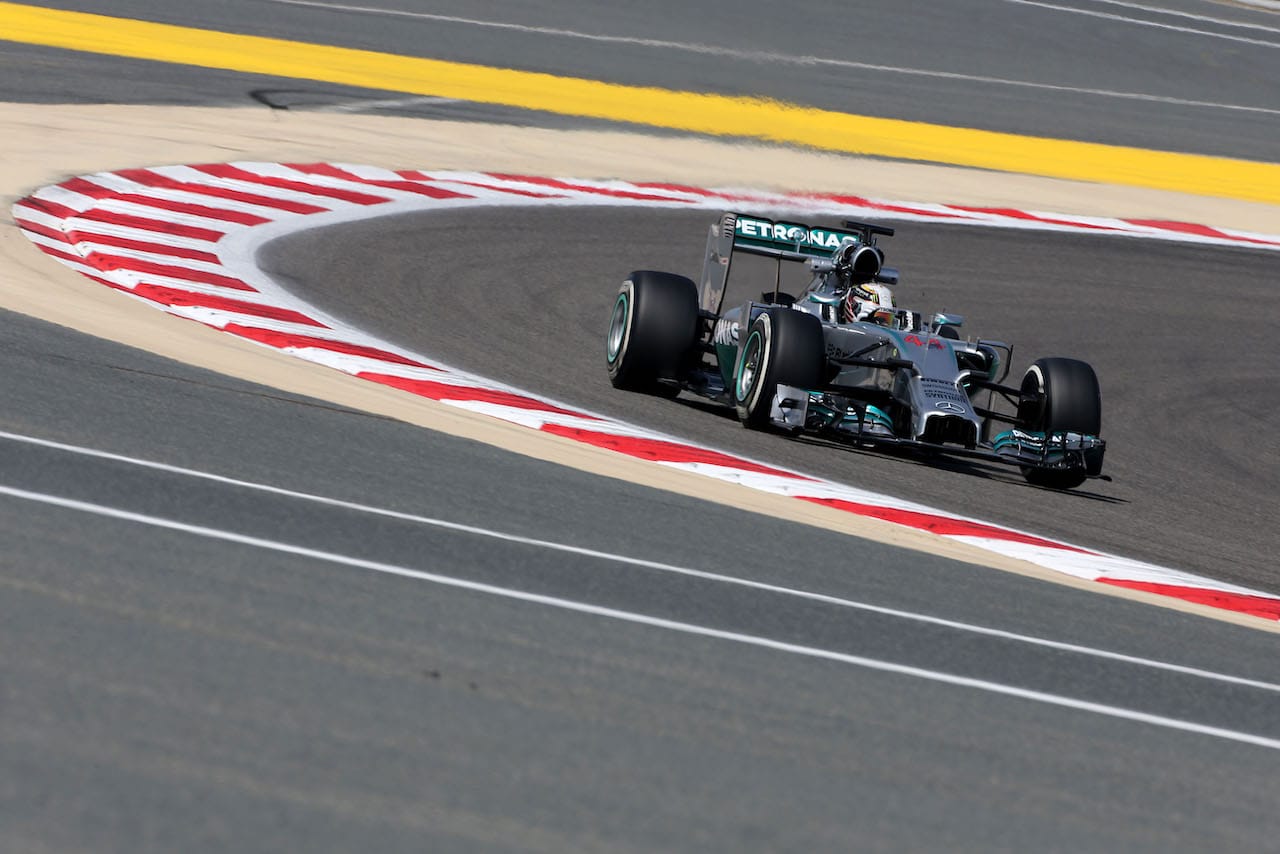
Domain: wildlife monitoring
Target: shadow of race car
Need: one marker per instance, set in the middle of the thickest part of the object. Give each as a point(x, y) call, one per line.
point(841, 360)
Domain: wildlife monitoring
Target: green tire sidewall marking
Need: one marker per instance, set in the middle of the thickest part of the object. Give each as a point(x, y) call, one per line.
point(739, 391)
point(614, 347)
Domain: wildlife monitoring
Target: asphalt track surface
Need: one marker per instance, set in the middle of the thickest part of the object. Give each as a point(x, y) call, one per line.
point(167, 689)
point(164, 688)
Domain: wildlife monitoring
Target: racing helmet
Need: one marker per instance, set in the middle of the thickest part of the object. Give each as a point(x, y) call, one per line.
point(871, 301)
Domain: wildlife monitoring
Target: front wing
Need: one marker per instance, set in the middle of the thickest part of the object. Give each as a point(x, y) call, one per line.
point(1055, 451)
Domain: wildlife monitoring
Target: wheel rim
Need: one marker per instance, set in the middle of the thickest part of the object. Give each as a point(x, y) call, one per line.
point(618, 327)
point(749, 365)
point(1033, 381)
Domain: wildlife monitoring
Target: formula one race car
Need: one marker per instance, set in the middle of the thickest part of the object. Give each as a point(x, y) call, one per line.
point(842, 360)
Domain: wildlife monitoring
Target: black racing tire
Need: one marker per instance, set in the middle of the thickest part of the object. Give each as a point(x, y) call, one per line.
point(1059, 395)
point(781, 346)
point(652, 328)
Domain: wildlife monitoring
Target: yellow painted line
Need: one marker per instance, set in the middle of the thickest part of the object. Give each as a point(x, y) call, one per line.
point(720, 115)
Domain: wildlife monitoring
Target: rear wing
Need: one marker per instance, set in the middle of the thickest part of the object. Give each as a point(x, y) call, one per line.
point(785, 241)
point(792, 241)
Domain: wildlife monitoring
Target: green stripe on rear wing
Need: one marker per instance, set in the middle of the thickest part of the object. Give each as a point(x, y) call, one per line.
point(786, 241)
point(792, 240)
point(753, 235)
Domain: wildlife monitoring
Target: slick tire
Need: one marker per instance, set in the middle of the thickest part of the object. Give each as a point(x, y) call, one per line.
point(1059, 395)
point(652, 328)
point(781, 346)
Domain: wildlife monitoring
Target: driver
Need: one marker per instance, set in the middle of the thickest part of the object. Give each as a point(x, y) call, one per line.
point(870, 301)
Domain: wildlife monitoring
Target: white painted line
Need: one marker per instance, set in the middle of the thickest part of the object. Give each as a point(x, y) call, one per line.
point(1122, 19)
point(384, 104)
point(128, 186)
point(59, 245)
point(770, 57)
point(1173, 13)
point(23, 211)
point(89, 246)
point(191, 175)
point(108, 229)
point(117, 204)
point(642, 563)
point(654, 622)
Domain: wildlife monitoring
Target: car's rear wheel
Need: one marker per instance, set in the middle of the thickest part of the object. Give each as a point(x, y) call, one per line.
point(781, 346)
point(652, 328)
point(1058, 396)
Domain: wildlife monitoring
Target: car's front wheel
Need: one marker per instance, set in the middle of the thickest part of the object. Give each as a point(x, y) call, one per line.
point(781, 346)
point(1059, 396)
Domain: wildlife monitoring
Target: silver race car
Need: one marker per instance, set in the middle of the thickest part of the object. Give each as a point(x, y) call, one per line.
point(840, 359)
